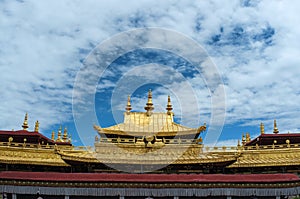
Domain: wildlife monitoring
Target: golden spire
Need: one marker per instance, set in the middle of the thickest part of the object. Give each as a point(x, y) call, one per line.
point(169, 106)
point(25, 123)
point(275, 128)
point(149, 106)
point(248, 138)
point(65, 136)
point(36, 126)
point(262, 128)
point(59, 135)
point(243, 139)
point(128, 106)
point(53, 136)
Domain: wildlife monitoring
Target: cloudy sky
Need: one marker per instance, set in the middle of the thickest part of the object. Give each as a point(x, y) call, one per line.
point(253, 45)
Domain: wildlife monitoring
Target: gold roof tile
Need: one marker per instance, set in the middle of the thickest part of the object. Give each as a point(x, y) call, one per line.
point(31, 156)
point(141, 124)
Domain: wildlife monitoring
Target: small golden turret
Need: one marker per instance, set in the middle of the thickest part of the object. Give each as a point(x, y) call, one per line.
point(65, 136)
point(59, 135)
point(243, 139)
point(25, 123)
point(53, 136)
point(262, 128)
point(36, 126)
point(248, 138)
point(149, 106)
point(275, 128)
point(169, 106)
point(128, 106)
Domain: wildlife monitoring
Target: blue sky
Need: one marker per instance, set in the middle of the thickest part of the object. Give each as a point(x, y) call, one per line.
point(253, 44)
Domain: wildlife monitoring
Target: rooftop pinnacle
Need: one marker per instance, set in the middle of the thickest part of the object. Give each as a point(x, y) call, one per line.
point(275, 128)
point(149, 105)
point(36, 126)
point(65, 135)
point(128, 106)
point(25, 123)
point(169, 106)
point(262, 128)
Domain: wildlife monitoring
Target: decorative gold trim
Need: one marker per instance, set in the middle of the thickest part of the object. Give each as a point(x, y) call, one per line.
point(31, 156)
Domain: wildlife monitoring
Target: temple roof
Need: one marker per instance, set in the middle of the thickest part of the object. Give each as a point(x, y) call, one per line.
point(279, 156)
point(275, 138)
point(30, 136)
point(149, 123)
point(33, 137)
point(140, 124)
point(155, 158)
point(30, 156)
point(281, 138)
point(25, 133)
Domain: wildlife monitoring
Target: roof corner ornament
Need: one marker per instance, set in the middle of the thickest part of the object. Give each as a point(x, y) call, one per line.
point(201, 128)
point(149, 106)
point(262, 128)
point(128, 106)
point(169, 106)
point(275, 128)
point(97, 128)
point(36, 126)
point(25, 123)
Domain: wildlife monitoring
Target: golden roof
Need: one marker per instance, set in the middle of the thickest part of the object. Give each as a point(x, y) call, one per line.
point(171, 156)
point(268, 157)
point(30, 156)
point(141, 124)
point(149, 123)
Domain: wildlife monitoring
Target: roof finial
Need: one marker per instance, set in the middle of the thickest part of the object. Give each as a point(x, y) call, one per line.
point(65, 136)
point(53, 136)
point(59, 135)
point(128, 106)
point(36, 126)
point(275, 128)
point(243, 139)
point(169, 106)
point(149, 106)
point(262, 128)
point(25, 123)
point(248, 138)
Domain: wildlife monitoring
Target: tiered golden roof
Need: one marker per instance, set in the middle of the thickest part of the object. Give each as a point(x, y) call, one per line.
point(151, 138)
point(140, 124)
point(149, 123)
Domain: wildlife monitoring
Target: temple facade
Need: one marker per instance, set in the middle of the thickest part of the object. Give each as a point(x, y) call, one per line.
point(148, 155)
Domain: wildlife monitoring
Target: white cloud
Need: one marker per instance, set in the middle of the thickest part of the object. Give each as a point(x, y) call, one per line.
point(44, 42)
